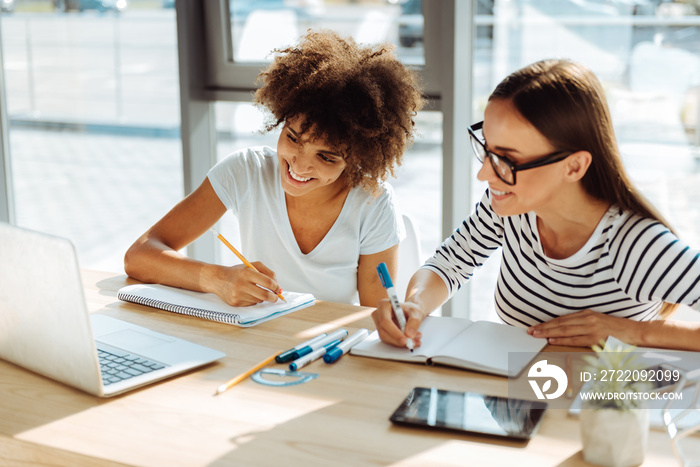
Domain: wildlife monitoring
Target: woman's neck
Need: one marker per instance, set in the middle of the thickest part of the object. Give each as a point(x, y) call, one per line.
point(565, 231)
point(312, 217)
point(319, 197)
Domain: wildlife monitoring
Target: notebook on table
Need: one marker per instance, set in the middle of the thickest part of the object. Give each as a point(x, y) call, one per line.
point(211, 307)
point(46, 327)
point(471, 345)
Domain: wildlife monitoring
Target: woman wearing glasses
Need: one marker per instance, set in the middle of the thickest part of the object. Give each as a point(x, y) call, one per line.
point(585, 256)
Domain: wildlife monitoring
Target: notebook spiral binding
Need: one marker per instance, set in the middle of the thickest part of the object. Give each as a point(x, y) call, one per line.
point(183, 310)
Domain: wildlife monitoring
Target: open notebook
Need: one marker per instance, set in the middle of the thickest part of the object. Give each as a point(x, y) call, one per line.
point(473, 345)
point(211, 307)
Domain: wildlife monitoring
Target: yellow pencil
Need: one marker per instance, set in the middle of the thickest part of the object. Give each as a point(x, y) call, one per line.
point(241, 257)
point(242, 376)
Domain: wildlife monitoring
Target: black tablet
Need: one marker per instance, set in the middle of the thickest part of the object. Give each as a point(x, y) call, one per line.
point(470, 412)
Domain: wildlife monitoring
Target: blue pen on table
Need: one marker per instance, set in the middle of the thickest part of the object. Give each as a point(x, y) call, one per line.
point(394, 299)
point(339, 334)
point(344, 347)
point(313, 356)
point(288, 355)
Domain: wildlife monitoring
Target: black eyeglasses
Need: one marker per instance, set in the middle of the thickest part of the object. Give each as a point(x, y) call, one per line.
point(505, 169)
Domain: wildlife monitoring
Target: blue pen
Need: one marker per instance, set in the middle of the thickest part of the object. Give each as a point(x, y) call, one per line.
point(339, 334)
point(315, 355)
point(344, 347)
point(288, 356)
point(394, 299)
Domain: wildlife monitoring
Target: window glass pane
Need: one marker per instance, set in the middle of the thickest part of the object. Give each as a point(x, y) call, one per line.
point(418, 182)
point(93, 106)
point(258, 26)
point(647, 56)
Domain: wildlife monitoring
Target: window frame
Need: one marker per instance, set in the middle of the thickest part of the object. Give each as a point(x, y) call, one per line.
point(229, 80)
point(7, 207)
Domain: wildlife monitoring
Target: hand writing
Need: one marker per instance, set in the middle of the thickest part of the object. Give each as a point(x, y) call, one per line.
point(388, 328)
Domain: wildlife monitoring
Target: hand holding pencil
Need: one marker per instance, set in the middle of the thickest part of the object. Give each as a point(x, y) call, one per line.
point(262, 280)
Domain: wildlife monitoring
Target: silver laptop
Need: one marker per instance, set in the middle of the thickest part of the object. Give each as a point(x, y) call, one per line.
point(45, 325)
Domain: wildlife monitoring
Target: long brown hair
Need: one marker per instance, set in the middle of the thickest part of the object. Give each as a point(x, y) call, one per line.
point(566, 103)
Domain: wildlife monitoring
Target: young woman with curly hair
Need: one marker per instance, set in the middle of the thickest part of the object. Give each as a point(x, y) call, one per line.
point(317, 209)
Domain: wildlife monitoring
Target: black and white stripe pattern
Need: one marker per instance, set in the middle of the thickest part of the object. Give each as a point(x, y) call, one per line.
point(629, 266)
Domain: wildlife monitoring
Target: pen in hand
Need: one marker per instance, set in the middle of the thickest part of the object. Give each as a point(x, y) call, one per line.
point(394, 299)
point(242, 258)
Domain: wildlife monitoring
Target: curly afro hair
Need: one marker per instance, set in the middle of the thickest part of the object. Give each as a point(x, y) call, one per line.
point(360, 100)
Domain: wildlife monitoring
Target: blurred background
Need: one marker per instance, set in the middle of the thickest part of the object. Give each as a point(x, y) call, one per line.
point(93, 100)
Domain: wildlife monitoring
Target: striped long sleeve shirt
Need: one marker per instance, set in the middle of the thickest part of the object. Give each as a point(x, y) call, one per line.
point(628, 267)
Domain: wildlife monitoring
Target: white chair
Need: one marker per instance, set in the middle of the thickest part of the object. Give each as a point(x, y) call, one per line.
point(410, 257)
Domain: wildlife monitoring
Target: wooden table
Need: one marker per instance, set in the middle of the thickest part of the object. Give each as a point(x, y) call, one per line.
point(341, 418)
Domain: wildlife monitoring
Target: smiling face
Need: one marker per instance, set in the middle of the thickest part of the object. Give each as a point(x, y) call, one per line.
point(509, 135)
point(307, 165)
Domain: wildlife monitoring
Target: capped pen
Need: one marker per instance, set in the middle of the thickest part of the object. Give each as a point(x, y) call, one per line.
point(339, 334)
point(344, 347)
point(313, 356)
point(288, 355)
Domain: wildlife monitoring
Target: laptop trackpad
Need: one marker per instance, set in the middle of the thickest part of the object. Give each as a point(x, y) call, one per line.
point(132, 340)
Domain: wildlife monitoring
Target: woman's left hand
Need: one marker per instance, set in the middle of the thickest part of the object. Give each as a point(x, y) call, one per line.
point(585, 329)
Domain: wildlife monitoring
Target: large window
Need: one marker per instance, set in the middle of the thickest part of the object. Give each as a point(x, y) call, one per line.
point(94, 117)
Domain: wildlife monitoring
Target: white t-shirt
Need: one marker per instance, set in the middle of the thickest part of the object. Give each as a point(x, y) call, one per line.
point(248, 183)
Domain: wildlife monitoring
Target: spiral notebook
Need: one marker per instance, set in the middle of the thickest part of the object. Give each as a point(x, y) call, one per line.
point(211, 307)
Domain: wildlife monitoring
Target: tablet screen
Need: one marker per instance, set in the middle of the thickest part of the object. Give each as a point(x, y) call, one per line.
point(470, 412)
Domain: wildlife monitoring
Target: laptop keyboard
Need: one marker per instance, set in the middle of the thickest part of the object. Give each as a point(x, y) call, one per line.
point(117, 365)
